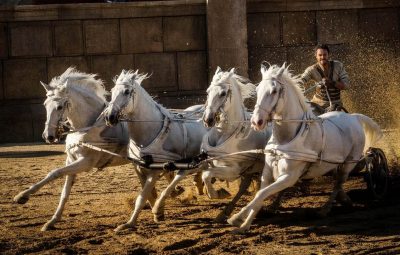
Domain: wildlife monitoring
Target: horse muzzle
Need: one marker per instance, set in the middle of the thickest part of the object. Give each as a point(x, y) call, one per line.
point(111, 117)
point(257, 123)
point(209, 120)
point(49, 138)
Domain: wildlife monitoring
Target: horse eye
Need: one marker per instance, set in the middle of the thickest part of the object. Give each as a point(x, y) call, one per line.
point(59, 107)
point(127, 92)
point(273, 92)
point(223, 93)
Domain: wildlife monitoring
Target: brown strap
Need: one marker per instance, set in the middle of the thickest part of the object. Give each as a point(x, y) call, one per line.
point(332, 66)
point(320, 71)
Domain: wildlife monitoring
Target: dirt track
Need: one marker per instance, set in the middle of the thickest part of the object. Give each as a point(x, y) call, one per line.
point(99, 202)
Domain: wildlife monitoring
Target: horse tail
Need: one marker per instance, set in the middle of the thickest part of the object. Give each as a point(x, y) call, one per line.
point(372, 130)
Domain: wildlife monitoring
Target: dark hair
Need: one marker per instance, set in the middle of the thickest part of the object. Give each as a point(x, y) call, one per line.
point(323, 47)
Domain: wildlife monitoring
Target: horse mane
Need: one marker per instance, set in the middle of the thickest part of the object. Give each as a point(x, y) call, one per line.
point(135, 79)
point(246, 88)
point(77, 79)
point(289, 79)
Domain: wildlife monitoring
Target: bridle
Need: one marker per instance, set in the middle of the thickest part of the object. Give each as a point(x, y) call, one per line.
point(220, 113)
point(280, 96)
point(62, 120)
point(121, 110)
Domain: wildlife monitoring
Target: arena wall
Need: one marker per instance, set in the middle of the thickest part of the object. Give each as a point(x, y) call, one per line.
point(176, 41)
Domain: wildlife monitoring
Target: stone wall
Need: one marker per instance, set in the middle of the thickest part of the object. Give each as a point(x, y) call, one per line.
point(167, 40)
point(172, 41)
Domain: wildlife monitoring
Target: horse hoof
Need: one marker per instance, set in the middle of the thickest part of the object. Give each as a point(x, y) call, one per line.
point(177, 191)
point(271, 210)
point(159, 218)
point(322, 213)
point(222, 194)
point(346, 202)
point(47, 227)
point(235, 220)
point(200, 192)
point(221, 218)
point(21, 198)
point(239, 231)
point(122, 227)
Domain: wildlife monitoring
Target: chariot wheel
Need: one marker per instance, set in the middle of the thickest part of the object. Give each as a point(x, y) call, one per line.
point(377, 173)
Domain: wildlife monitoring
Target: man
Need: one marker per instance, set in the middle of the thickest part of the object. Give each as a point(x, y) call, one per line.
point(331, 78)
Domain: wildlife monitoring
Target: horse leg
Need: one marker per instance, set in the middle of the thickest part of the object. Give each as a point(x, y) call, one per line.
point(69, 181)
point(267, 179)
point(158, 208)
point(80, 165)
point(289, 174)
point(143, 196)
point(341, 176)
point(207, 177)
point(244, 184)
point(198, 182)
point(283, 182)
point(276, 203)
point(344, 199)
point(142, 179)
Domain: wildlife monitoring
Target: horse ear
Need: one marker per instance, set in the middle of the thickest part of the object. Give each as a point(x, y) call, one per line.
point(218, 70)
point(232, 71)
point(280, 71)
point(65, 85)
point(46, 87)
point(137, 71)
point(263, 69)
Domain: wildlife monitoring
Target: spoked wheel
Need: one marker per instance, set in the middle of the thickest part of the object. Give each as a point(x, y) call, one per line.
point(377, 172)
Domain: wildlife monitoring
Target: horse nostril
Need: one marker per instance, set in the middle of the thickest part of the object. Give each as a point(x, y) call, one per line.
point(50, 138)
point(210, 122)
point(112, 119)
point(260, 122)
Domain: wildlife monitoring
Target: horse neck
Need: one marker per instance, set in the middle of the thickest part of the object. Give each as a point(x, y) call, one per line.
point(84, 109)
point(284, 132)
point(149, 116)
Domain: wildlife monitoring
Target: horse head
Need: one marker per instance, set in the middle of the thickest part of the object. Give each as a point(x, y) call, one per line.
point(218, 94)
point(76, 96)
point(123, 95)
point(269, 95)
point(56, 106)
point(225, 97)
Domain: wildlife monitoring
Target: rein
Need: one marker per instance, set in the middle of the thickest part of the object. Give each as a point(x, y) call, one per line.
point(191, 163)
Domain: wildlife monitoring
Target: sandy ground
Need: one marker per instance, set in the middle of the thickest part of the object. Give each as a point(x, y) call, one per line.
point(100, 201)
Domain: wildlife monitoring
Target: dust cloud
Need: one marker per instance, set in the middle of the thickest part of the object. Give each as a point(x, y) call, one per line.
point(375, 89)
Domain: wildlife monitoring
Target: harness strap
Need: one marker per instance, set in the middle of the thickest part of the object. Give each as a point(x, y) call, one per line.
point(321, 153)
point(319, 70)
point(332, 67)
point(185, 138)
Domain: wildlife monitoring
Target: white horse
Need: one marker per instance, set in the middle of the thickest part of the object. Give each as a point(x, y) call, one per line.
point(302, 145)
point(231, 133)
point(153, 130)
point(79, 98)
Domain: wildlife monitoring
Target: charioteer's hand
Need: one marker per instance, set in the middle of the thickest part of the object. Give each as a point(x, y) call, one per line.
point(320, 84)
point(329, 83)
